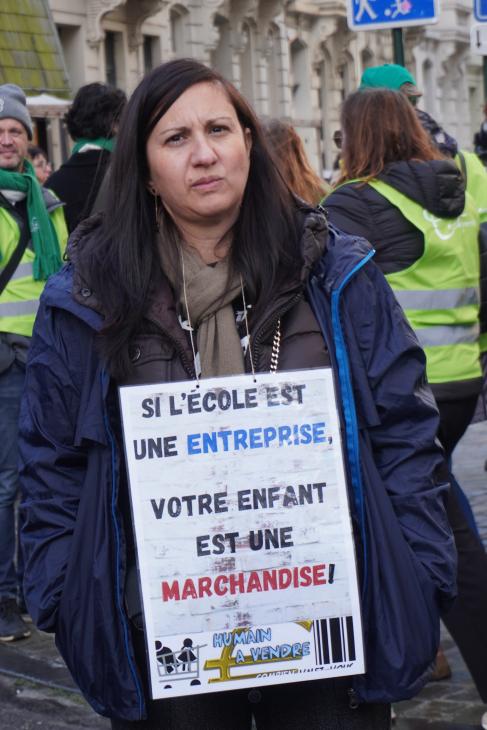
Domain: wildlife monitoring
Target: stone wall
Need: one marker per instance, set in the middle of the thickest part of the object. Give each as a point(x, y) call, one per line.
point(293, 59)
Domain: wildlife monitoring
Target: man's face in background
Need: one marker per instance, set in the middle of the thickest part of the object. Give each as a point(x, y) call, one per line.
point(13, 144)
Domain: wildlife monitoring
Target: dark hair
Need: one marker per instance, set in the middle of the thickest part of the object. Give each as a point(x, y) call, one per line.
point(291, 159)
point(95, 111)
point(34, 151)
point(380, 126)
point(120, 260)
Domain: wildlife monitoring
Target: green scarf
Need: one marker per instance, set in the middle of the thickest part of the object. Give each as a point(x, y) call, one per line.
point(44, 238)
point(102, 142)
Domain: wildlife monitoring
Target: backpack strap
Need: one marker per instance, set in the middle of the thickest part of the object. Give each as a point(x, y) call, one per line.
point(9, 269)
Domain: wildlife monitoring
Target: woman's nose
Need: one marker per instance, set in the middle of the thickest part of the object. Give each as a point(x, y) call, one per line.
point(203, 152)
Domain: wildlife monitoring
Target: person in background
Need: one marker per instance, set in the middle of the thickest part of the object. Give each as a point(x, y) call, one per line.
point(40, 163)
point(292, 161)
point(32, 239)
point(480, 139)
point(92, 122)
point(393, 76)
point(403, 195)
point(396, 77)
point(198, 222)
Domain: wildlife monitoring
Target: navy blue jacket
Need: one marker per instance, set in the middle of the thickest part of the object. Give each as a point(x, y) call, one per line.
point(70, 470)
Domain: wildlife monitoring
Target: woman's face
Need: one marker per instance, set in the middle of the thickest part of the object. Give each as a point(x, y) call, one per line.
point(198, 158)
point(42, 168)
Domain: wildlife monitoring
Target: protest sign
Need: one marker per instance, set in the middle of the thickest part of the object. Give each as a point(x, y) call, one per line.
point(243, 533)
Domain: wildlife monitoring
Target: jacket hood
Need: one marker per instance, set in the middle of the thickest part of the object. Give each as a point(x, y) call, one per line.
point(313, 227)
point(50, 200)
point(437, 185)
point(62, 288)
point(326, 250)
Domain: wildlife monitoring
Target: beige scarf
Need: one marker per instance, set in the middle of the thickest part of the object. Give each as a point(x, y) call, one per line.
point(209, 295)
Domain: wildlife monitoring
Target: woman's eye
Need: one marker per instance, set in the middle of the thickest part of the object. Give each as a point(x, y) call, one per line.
point(218, 128)
point(175, 139)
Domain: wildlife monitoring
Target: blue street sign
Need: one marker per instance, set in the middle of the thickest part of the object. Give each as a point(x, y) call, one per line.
point(372, 14)
point(480, 10)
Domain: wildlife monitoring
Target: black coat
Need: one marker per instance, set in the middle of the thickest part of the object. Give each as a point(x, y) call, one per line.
point(77, 183)
point(437, 185)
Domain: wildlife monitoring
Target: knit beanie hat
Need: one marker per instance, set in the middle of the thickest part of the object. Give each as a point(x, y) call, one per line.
point(389, 76)
point(13, 105)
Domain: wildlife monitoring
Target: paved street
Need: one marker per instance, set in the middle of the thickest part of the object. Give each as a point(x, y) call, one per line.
point(454, 704)
point(36, 691)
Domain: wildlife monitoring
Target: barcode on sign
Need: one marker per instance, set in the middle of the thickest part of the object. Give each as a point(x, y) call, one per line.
point(334, 640)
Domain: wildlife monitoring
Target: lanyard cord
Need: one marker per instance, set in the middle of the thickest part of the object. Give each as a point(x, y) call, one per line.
point(190, 326)
point(275, 344)
point(247, 331)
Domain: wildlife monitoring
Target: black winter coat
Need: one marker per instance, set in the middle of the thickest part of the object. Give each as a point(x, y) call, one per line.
point(437, 185)
point(77, 183)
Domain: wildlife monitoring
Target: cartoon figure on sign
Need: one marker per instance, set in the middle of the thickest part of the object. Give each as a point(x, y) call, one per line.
point(399, 7)
point(165, 656)
point(184, 664)
point(364, 7)
point(187, 655)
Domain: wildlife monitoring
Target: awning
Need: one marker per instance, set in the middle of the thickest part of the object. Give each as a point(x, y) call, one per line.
point(46, 105)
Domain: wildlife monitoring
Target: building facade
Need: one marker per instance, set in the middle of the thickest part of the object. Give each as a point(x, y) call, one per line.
point(294, 59)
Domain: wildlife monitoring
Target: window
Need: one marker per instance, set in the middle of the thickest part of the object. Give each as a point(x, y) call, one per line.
point(221, 57)
point(152, 52)
point(246, 63)
point(110, 59)
point(114, 59)
point(300, 79)
point(71, 40)
point(177, 19)
point(273, 72)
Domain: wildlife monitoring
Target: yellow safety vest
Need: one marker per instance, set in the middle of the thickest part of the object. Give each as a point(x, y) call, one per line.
point(19, 300)
point(476, 176)
point(439, 293)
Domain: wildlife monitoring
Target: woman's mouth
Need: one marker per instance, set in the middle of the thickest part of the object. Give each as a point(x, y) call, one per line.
point(207, 183)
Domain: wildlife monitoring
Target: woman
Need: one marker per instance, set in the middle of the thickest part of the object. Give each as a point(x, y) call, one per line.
point(399, 182)
point(293, 162)
point(91, 121)
point(40, 163)
point(198, 220)
point(399, 192)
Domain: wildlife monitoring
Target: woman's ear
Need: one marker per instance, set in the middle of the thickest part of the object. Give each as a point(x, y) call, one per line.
point(151, 188)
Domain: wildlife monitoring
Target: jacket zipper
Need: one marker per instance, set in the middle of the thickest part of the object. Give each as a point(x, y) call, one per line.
point(269, 325)
point(348, 401)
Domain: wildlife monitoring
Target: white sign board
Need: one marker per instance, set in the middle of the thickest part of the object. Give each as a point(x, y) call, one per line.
point(478, 39)
point(243, 533)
